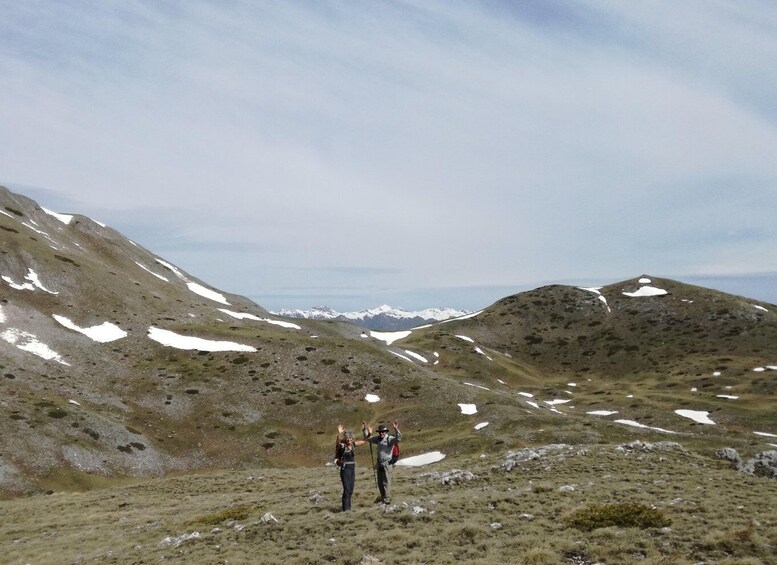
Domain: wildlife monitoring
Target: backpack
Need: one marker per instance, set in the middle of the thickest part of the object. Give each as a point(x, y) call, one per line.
point(394, 454)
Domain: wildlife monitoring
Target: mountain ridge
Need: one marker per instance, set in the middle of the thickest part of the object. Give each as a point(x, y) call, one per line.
point(116, 363)
point(383, 317)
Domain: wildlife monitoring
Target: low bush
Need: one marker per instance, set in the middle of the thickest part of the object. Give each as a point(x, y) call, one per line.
point(624, 515)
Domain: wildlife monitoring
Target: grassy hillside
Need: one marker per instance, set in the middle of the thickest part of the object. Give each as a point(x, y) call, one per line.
point(146, 438)
point(652, 503)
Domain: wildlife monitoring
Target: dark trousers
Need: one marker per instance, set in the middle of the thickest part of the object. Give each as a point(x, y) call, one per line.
point(348, 478)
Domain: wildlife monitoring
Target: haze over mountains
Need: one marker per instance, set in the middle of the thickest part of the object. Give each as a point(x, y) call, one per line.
point(117, 363)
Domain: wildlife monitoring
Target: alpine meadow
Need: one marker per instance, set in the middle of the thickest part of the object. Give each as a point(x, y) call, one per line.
point(148, 416)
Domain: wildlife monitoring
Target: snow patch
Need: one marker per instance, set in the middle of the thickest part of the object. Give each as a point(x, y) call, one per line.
point(634, 424)
point(700, 416)
point(29, 342)
point(646, 291)
point(171, 339)
point(247, 316)
point(152, 272)
point(207, 293)
point(602, 412)
point(420, 460)
point(416, 356)
point(390, 337)
point(481, 425)
point(465, 338)
point(102, 333)
point(468, 409)
point(372, 398)
point(64, 218)
point(34, 283)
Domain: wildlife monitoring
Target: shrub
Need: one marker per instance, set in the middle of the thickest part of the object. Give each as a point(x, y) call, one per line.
point(624, 515)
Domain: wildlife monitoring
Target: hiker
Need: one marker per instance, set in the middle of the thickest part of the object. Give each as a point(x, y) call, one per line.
point(346, 460)
point(385, 443)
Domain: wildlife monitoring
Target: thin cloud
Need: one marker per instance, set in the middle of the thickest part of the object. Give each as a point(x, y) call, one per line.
point(413, 144)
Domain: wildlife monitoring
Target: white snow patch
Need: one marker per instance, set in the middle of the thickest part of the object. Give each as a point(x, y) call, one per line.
point(465, 338)
point(526, 394)
point(171, 339)
point(530, 403)
point(6, 213)
point(646, 291)
point(416, 356)
point(173, 268)
point(759, 369)
point(372, 398)
point(645, 280)
point(390, 337)
point(102, 333)
point(71, 401)
point(557, 401)
point(478, 350)
point(247, 316)
point(207, 293)
point(634, 424)
point(481, 425)
point(500, 381)
point(468, 409)
point(700, 416)
point(602, 412)
point(730, 397)
point(594, 289)
point(760, 307)
point(571, 384)
point(420, 460)
point(477, 386)
point(31, 276)
point(765, 434)
point(2, 315)
point(716, 374)
point(64, 218)
point(406, 358)
point(29, 342)
point(152, 272)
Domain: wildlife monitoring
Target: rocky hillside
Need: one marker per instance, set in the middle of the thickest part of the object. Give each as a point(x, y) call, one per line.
point(117, 363)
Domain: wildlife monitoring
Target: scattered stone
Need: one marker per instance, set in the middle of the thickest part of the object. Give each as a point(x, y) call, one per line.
point(512, 458)
point(567, 488)
point(527, 517)
point(638, 445)
point(496, 526)
point(176, 541)
point(418, 510)
point(729, 454)
point(268, 518)
point(452, 477)
point(764, 464)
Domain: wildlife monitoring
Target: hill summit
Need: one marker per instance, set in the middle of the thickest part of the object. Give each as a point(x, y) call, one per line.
point(116, 363)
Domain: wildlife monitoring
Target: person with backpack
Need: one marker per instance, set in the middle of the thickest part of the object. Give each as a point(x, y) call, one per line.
point(345, 457)
point(386, 456)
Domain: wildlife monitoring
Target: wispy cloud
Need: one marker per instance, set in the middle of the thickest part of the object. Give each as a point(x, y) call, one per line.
point(454, 144)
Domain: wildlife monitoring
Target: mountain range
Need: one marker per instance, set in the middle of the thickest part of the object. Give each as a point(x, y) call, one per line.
point(116, 363)
point(381, 318)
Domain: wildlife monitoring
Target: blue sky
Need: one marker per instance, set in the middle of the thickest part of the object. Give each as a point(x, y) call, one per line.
point(412, 153)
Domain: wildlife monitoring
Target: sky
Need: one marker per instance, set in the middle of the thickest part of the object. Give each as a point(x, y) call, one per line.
point(415, 153)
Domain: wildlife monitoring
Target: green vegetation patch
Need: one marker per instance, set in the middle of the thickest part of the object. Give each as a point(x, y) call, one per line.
point(624, 515)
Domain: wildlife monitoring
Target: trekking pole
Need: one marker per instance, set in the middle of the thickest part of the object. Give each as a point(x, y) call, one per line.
point(374, 470)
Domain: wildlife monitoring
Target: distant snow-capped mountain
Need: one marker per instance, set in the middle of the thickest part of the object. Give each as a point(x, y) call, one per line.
point(381, 318)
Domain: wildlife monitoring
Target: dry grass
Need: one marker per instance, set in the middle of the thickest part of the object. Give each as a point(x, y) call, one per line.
point(498, 516)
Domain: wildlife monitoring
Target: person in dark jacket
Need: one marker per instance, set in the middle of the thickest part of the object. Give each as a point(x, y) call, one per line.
point(345, 455)
point(385, 443)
